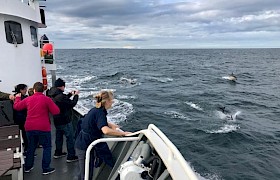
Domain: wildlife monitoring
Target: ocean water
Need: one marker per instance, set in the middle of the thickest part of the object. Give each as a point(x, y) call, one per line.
point(181, 91)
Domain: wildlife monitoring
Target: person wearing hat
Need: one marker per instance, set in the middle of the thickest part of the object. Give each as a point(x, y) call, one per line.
point(62, 121)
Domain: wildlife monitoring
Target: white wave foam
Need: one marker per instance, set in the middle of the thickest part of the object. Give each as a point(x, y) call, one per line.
point(96, 92)
point(228, 116)
point(234, 116)
point(208, 176)
point(176, 115)
point(125, 97)
point(83, 79)
point(88, 89)
point(195, 106)
point(119, 112)
point(86, 94)
point(59, 67)
point(225, 129)
point(124, 80)
point(75, 81)
point(161, 79)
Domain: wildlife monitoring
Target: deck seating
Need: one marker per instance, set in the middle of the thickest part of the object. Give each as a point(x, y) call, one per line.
point(11, 157)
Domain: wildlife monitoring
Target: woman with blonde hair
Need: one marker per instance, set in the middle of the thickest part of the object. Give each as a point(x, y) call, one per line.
point(92, 127)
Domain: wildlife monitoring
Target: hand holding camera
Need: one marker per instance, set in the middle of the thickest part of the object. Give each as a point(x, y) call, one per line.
point(75, 92)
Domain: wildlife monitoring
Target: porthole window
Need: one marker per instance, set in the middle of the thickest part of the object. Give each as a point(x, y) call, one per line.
point(34, 37)
point(13, 32)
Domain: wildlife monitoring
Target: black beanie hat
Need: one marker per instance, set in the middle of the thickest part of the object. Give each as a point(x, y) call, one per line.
point(59, 83)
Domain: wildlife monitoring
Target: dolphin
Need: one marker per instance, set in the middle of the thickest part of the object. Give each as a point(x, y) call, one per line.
point(226, 114)
point(232, 77)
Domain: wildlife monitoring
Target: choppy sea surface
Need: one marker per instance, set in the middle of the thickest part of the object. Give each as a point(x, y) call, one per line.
point(182, 91)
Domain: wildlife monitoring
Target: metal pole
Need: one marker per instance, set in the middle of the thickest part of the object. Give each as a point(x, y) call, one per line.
point(53, 77)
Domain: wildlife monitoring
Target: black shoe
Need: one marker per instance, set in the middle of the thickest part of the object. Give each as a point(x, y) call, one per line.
point(59, 155)
point(72, 159)
point(28, 170)
point(48, 171)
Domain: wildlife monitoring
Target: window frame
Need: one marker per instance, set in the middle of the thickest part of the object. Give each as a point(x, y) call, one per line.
point(13, 31)
point(33, 34)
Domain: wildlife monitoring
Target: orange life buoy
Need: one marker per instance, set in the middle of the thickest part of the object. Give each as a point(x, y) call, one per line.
point(48, 49)
point(44, 77)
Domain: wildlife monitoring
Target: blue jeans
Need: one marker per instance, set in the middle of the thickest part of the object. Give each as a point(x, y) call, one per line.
point(67, 130)
point(34, 138)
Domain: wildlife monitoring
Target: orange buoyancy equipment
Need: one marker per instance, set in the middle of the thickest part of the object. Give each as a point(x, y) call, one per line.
point(44, 77)
point(48, 49)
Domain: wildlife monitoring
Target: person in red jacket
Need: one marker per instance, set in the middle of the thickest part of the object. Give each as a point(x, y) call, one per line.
point(38, 125)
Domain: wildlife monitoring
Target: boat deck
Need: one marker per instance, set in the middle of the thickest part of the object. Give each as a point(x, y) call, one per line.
point(63, 170)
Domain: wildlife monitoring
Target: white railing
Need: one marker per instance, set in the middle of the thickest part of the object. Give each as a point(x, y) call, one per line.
point(174, 153)
point(103, 140)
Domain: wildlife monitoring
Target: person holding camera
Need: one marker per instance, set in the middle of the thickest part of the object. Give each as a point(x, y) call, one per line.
point(62, 121)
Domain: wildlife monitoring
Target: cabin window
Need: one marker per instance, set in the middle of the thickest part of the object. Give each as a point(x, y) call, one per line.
point(13, 32)
point(34, 37)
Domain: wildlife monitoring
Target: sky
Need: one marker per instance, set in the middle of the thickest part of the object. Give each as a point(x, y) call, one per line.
point(163, 24)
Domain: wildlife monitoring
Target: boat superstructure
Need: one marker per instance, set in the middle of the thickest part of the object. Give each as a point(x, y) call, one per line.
point(20, 58)
point(146, 154)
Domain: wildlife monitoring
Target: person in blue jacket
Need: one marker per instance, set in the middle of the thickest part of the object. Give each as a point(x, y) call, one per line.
point(92, 127)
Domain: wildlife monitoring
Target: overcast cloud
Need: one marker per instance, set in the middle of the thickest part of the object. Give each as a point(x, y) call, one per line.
point(157, 24)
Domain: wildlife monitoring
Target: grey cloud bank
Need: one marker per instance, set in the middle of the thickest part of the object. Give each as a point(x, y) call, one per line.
point(161, 24)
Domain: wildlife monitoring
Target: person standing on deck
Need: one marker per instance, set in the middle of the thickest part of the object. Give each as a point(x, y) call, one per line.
point(38, 126)
point(30, 91)
point(63, 121)
point(92, 127)
point(20, 116)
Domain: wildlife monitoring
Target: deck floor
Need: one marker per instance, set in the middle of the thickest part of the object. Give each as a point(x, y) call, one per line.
point(63, 170)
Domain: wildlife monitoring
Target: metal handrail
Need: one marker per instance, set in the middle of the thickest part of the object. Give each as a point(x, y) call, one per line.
point(173, 151)
point(103, 140)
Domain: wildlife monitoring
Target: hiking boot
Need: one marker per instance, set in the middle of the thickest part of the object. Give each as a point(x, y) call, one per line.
point(59, 155)
point(72, 159)
point(48, 171)
point(28, 170)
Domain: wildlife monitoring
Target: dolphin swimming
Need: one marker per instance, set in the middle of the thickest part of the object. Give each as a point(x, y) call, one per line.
point(232, 77)
point(224, 114)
